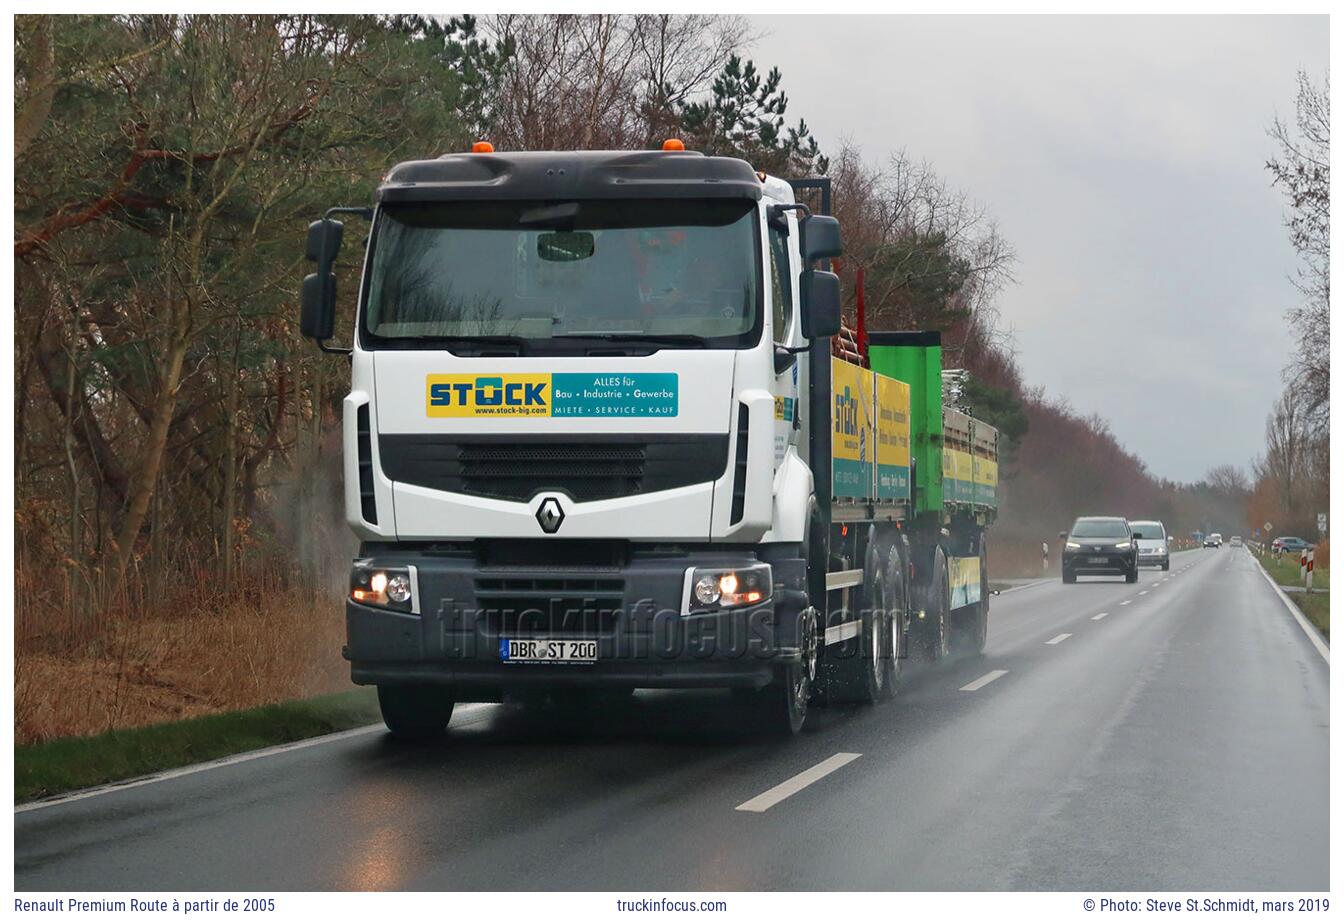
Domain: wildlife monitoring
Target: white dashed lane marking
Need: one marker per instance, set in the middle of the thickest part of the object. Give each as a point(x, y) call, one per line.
point(982, 681)
point(774, 796)
point(1058, 639)
point(1100, 616)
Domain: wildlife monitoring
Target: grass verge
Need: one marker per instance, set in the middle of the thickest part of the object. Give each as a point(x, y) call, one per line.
point(53, 767)
point(1316, 607)
point(1286, 570)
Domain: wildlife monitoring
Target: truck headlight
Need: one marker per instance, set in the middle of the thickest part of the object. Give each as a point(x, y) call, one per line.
point(724, 588)
point(383, 586)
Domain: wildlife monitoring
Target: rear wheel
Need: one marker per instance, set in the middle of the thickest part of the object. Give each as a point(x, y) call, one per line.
point(861, 676)
point(937, 601)
point(897, 604)
point(415, 712)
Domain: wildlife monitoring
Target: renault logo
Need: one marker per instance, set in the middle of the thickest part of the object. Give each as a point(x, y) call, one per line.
point(550, 516)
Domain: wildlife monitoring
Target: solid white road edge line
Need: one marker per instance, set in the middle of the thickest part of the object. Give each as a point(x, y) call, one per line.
point(982, 681)
point(229, 761)
point(1307, 628)
point(1058, 639)
point(1100, 616)
point(771, 797)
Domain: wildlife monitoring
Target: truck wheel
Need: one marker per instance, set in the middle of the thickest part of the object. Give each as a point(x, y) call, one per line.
point(860, 677)
point(973, 621)
point(937, 601)
point(897, 594)
point(781, 705)
point(415, 712)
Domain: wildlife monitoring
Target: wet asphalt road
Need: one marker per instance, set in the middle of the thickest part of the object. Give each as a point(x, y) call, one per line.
point(1180, 741)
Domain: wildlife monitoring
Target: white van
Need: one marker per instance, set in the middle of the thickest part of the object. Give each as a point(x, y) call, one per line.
point(1152, 539)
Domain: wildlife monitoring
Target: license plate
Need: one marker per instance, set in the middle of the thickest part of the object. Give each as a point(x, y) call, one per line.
point(548, 651)
point(1098, 560)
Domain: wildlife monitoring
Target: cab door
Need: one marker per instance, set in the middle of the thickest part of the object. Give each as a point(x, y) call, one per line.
point(782, 236)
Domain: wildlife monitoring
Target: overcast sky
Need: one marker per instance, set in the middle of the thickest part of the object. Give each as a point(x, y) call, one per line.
point(1124, 160)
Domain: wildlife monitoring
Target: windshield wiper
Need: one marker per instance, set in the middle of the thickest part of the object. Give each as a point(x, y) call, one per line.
point(638, 338)
point(518, 343)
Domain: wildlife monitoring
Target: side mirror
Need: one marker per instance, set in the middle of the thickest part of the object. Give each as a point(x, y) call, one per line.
point(821, 238)
point(317, 311)
point(1063, 534)
point(821, 304)
point(324, 241)
point(317, 305)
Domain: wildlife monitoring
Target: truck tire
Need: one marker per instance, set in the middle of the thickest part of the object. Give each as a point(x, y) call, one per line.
point(861, 677)
point(415, 712)
point(934, 628)
point(972, 622)
point(897, 620)
point(780, 707)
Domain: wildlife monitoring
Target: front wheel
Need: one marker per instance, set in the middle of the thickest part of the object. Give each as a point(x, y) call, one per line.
point(781, 705)
point(1132, 575)
point(415, 712)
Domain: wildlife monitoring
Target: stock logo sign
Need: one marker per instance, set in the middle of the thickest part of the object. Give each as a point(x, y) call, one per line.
point(550, 395)
point(472, 395)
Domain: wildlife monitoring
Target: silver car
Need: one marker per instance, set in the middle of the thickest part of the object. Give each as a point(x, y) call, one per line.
point(1152, 539)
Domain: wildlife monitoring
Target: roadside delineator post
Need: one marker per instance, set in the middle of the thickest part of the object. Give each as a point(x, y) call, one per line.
point(1310, 557)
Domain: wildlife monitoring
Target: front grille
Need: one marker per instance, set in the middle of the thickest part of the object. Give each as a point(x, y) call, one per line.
point(585, 471)
point(545, 606)
point(585, 468)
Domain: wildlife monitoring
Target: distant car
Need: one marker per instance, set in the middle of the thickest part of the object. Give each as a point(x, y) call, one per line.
point(1099, 546)
point(1291, 544)
point(1235, 541)
point(1214, 539)
point(1152, 539)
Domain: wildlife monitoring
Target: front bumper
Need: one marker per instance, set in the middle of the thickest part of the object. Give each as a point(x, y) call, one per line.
point(633, 610)
point(1099, 562)
point(1154, 558)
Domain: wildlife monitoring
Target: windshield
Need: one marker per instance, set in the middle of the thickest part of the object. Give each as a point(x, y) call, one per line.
point(1094, 529)
point(537, 272)
point(1147, 530)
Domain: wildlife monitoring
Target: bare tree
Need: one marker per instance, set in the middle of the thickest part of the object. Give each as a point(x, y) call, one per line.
point(1302, 170)
point(604, 81)
point(1229, 481)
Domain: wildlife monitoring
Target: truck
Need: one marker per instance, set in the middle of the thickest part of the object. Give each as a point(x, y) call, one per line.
point(597, 439)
